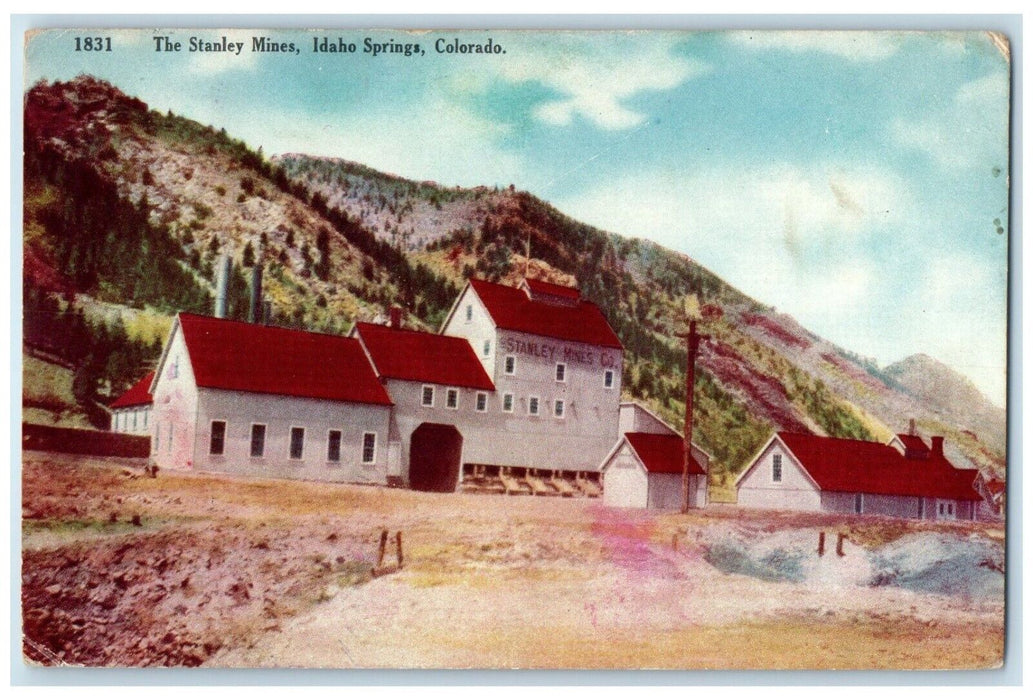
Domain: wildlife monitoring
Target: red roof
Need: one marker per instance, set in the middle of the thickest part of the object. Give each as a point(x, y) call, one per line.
point(995, 486)
point(423, 357)
point(556, 290)
point(913, 443)
point(512, 309)
point(858, 466)
point(267, 360)
point(662, 454)
point(136, 395)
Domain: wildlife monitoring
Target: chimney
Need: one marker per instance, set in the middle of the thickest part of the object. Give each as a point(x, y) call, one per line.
point(222, 280)
point(256, 292)
point(937, 445)
point(911, 427)
point(396, 317)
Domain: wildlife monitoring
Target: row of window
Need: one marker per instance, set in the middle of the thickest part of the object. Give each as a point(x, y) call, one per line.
point(509, 367)
point(296, 445)
point(122, 420)
point(534, 403)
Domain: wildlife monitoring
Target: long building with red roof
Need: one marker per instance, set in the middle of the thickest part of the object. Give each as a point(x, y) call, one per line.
point(259, 400)
point(905, 478)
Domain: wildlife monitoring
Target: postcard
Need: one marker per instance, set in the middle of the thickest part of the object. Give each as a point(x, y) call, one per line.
point(508, 349)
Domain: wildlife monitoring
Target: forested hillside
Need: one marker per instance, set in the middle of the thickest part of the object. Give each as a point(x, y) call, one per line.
point(128, 209)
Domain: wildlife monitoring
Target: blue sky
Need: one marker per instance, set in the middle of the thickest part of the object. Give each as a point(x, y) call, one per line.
point(853, 180)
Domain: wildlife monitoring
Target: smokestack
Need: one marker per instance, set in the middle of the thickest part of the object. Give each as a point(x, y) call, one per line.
point(937, 445)
point(222, 280)
point(396, 317)
point(911, 427)
point(256, 292)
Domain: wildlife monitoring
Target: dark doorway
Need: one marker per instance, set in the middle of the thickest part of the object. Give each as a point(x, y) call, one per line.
point(434, 454)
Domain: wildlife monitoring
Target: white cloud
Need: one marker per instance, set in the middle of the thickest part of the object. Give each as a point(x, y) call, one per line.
point(595, 78)
point(971, 130)
point(782, 207)
point(851, 45)
point(784, 235)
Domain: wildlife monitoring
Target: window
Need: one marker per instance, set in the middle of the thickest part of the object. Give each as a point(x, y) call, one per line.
point(469, 312)
point(858, 503)
point(157, 438)
point(558, 408)
point(297, 443)
point(428, 396)
point(561, 372)
point(134, 421)
point(608, 379)
point(174, 368)
point(146, 413)
point(507, 403)
point(532, 405)
point(776, 468)
point(482, 402)
point(486, 350)
point(172, 428)
point(369, 448)
point(452, 398)
point(510, 364)
point(257, 440)
point(333, 446)
point(218, 437)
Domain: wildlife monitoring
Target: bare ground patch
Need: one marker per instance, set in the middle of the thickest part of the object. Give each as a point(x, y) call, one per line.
point(227, 571)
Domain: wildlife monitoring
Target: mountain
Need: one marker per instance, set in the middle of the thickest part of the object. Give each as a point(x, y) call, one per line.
point(949, 395)
point(127, 210)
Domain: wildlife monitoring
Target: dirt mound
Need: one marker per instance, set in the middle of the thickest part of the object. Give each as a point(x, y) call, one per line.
point(937, 563)
point(931, 562)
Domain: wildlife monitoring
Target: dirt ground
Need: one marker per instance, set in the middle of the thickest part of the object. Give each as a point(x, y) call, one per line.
point(187, 569)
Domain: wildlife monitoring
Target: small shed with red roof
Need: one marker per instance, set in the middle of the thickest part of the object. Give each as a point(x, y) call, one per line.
point(905, 478)
point(254, 399)
point(131, 412)
point(645, 468)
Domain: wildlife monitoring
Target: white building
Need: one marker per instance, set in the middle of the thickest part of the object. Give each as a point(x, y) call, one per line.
point(131, 412)
point(556, 365)
point(645, 468)
point(251, 399)
point(905, 478)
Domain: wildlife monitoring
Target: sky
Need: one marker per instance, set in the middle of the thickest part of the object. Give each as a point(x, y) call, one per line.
point(855, 180)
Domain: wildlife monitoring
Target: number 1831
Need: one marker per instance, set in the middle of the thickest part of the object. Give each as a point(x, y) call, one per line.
point(93, 43)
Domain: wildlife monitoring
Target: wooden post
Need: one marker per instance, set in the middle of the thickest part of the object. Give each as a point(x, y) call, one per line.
point(839, 544)
point(821, 543)
point(398, 545)
point(383, 547)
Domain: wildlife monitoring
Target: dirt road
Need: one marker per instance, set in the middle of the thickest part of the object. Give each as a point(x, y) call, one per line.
point(231, 572)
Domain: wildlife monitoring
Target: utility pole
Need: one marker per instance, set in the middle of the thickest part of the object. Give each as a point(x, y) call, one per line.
point(692, 341)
